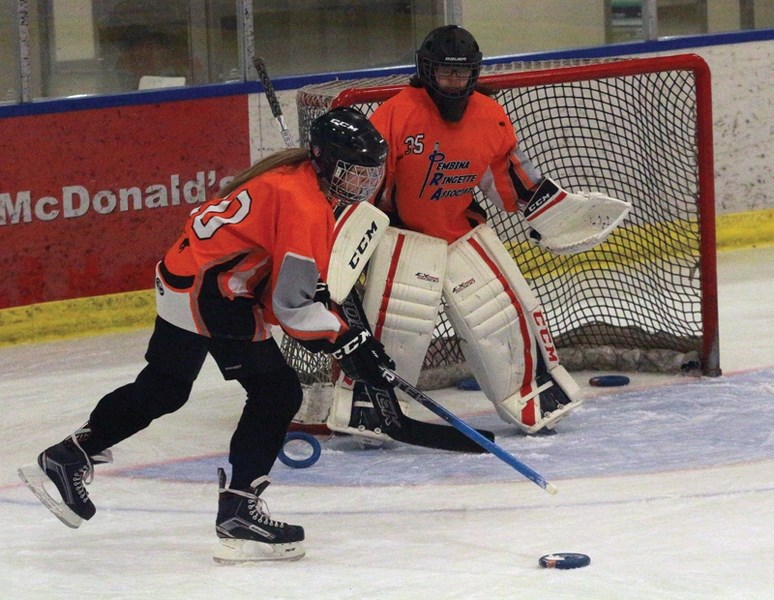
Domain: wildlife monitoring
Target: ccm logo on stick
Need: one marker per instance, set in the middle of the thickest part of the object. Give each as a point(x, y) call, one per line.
point(351, 345)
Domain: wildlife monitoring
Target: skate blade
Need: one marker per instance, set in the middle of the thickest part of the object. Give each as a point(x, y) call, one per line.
point(35, 479)
point(234, 552)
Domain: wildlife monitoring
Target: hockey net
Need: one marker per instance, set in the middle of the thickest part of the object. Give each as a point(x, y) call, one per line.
point(637, 129)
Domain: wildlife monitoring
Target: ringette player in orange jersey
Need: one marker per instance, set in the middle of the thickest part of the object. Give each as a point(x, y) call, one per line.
point(253, 258)
point(446, 140)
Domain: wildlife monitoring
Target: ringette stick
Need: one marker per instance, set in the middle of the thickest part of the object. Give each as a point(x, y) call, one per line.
point(271, 96)
point(467, 430)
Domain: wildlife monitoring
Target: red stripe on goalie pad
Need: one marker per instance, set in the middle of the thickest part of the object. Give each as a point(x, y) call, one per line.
point(529, 368)
point(388, 288)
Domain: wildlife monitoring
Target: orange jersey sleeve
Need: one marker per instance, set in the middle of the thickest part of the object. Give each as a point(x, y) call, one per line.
point(254, 258)
point(434, 165)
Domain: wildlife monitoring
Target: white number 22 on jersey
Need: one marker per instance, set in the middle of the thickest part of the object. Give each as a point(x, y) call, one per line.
point(227, 211)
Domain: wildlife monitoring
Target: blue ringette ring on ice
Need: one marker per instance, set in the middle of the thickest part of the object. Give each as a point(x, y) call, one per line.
point(609, 380)
point(468, 384)
point(297, 463)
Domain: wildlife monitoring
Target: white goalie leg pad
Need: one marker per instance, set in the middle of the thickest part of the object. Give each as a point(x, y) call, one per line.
point(402, 296)
point(503, 333)
point(487, 316)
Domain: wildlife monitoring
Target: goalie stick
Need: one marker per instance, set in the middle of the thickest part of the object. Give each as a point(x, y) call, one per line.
point(392, 421)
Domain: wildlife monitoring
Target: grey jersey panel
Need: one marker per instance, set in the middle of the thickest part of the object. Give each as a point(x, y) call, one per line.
point(293, 299)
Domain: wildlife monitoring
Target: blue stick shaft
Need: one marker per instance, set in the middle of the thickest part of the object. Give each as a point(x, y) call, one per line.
point(467, 430)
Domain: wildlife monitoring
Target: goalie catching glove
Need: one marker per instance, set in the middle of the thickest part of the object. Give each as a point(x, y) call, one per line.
point(361, 357)
point(568, 223)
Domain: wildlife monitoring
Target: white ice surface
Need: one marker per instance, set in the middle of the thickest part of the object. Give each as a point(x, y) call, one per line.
point(668, 484)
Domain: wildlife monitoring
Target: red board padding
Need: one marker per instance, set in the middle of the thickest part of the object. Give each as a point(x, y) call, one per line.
point(90, 200)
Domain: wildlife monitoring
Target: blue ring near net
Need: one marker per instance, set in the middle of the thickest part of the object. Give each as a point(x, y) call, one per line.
point(300, 463)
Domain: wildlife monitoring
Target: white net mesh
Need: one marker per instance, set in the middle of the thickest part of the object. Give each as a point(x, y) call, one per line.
point(643, 300)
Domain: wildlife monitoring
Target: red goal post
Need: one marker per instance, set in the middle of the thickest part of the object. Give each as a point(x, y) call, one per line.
point(635, 129)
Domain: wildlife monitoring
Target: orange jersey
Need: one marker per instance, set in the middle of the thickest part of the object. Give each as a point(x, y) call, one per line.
point(254, 258)
point(434, 165)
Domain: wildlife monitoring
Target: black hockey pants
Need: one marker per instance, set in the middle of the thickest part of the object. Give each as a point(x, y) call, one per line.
point(175, 357)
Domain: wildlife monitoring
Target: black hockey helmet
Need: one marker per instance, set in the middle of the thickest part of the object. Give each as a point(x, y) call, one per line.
point(348, 153)
point(453, 48)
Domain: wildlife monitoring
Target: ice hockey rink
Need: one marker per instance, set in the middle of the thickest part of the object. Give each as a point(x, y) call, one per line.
point(667, 484)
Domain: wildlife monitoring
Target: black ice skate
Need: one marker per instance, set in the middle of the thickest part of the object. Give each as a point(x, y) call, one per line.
point(246, 531)
point(70, 469)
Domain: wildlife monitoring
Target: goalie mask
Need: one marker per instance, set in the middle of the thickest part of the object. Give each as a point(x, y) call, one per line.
point(448, 65)
point(348, 153)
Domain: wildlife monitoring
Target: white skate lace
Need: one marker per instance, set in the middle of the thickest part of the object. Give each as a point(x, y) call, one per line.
point(84, 475)
point(257, 507)
point(260, 512)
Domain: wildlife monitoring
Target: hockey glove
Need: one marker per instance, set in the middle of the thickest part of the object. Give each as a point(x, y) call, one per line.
point(321, 294)
point(568, 223)
point(360, 356)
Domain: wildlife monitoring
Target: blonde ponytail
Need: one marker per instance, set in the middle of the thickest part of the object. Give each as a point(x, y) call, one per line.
point(288, 156)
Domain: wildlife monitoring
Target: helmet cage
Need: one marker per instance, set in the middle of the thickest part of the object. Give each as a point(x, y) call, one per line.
point(351, 183)
point(348, 154)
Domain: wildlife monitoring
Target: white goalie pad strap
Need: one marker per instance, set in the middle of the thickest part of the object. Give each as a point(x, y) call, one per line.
point(527, 411)
point(568, 222)
point(402, 295)
point(523, 411)
point(488, 316)
point(358, 230)
point(341, 407)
